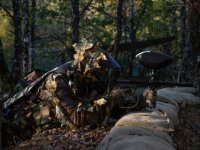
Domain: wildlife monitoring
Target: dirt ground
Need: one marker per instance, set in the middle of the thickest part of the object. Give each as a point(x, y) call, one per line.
point(185, 137)
point(86, 138)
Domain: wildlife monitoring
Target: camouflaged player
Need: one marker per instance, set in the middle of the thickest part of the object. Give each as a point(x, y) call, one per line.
point(70, 95)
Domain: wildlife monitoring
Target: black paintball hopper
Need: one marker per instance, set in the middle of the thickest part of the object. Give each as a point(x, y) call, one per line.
point(154, 60)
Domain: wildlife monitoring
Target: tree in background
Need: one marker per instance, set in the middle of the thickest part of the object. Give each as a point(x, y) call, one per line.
point(27, 63)
point(194, 26)
point(119, 28)
point(3, 66)
point(75, 21)
point(132, 26)
point(16, 70)
point(132, 37)
point(32, 32)
point(19, 13)
point(56, 25)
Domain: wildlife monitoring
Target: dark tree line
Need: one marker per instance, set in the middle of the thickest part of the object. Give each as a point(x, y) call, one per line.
point(23, 15)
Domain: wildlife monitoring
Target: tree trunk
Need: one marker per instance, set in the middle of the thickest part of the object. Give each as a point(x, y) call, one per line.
point(5, 78)
point(1, 121)
point(3, 66)
point(194, 24)
point(32, 32)
point(16, 71)
point(174, 26)
point(183, 26)
point(194, 27)
point(27, 39)
point(185, 46)
point(75, 21)
point(132, 27)
point(125, 25)
point(132, 36)
point(119, 28)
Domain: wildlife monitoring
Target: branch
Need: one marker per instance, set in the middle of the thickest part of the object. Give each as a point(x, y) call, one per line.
point(142, 44)
point(103, 12)
point(6, 9)
point(86, 8)
point(140, 16)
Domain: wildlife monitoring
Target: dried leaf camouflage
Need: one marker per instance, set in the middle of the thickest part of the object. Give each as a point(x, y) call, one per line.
point(61, 96)
point(70, 96)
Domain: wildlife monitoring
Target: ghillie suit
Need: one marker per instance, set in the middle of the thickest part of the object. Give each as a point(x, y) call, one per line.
point(71, 95)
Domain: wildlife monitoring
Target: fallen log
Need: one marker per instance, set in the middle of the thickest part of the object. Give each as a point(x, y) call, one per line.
point(142, 44)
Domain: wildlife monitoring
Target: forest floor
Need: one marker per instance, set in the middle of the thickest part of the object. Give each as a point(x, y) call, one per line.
point(185, 137)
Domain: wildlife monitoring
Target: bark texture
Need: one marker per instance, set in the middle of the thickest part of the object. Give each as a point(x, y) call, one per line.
point(119, 28)
point(16, 71)
point(75, 21)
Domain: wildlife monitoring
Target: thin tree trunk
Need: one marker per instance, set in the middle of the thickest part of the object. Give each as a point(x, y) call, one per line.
point(6, 81)
point(194, 24)
point(132, 35)
point(141, 15)
point(33, 11)
point(183, 26)
point(3, 67)
point(185, 39)
point(174, 26)
point(185, 62)
point(27, 38)
point(16, 71)
point(75, 21)
point(119, 28)
point(132, 30)
point(125, 24)
point(194, 27)
point(1, 121)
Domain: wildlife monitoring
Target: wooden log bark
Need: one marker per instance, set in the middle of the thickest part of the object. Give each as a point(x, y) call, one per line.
point(144, 44)
point(119, 28)
point(141, 44)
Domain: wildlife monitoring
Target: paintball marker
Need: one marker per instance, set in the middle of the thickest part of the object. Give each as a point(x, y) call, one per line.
point(148, 59)
point(154, 61)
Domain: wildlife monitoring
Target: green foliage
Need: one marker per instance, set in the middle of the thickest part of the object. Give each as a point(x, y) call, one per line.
point(157, 20)
point(6, 30)
point(152, 19)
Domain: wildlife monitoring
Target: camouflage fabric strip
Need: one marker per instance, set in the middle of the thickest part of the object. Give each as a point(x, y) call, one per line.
point(26, 90)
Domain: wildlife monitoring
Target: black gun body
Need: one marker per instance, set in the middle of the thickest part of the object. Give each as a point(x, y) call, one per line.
point(134, 81)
